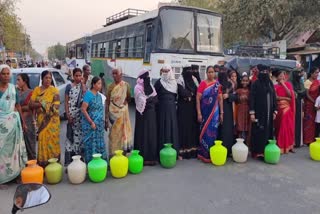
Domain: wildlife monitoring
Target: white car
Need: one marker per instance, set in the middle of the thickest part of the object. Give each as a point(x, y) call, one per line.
point(59, 79)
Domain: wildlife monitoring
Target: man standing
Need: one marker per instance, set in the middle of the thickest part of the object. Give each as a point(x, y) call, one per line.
point(263, 110)
point(8, 62)
point(117, 112)
point(87, 77)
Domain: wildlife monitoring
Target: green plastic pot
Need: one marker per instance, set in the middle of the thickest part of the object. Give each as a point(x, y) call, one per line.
point(168, 156)
point(53, 171)
point(135, 162)
point(272, 152)
point(97, 169)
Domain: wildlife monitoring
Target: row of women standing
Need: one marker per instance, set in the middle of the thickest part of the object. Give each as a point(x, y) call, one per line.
point(20, 111)
point(224, 106)
point(160, 120)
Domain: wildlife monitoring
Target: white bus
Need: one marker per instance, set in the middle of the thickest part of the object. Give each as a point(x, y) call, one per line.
point(78, 52)
point(173, 35)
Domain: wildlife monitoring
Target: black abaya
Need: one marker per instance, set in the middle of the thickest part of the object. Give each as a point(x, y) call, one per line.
point(166, 117)
point(145, 133)
point(189, 129)
point(227, 126)
point(263, 103)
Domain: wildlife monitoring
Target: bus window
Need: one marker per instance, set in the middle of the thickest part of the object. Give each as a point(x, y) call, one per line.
point(113, 50)
point(148, 43)
point(209, 33)
point(127, 47)
point(138, 47)
point(106, 50)
point(80, 53)
point(123, 48)
point(131, 47)
point(95, 50)
point(176, 30)
point(99, 49)
point(102, 50)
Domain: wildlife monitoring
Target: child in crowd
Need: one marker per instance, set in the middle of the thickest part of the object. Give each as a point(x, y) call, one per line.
point(243, 119)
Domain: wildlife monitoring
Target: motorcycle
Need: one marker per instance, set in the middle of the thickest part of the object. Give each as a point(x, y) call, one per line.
point(30, 195)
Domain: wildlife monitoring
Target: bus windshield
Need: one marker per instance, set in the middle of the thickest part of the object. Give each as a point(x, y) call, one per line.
point(209, 33)
point(177, 27)
point(176, 30)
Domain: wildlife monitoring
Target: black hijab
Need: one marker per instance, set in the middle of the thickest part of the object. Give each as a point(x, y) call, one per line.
point(264, 78)
point(195, 72)
point(224, 81)
point(146, 83)
point(187, 74)
point(296, 81)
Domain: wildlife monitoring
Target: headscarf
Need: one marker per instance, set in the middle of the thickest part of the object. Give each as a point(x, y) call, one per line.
point(296, 81)
point(224, 81)
point(187, 80)
point(143, 90)
point(4, 66)
point(195, 72)
point(264, 78)
point(168, 80)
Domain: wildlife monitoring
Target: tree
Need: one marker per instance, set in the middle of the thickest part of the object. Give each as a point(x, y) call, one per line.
point(57, 51)
point(247, 20)
point(12, 32)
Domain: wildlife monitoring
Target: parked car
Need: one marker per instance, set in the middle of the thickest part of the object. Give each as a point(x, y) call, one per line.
point(59, 79)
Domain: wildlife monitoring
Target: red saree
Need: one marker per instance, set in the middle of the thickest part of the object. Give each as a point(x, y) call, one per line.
point(285, 120)
point(309, 125)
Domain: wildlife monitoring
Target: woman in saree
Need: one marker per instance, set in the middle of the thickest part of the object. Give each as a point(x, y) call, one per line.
point(117, 112)
point(13, 155)
point(73, 97)
point(312, 87)
point(210, 113)
point(45, 101)
point(25, 94)
point(284, 122)
point(92, 121)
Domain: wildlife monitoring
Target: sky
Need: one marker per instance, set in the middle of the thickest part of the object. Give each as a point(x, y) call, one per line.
point(51, 21)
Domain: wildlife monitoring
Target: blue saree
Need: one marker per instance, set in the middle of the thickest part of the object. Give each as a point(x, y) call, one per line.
point(209, 105)
point(93, 139)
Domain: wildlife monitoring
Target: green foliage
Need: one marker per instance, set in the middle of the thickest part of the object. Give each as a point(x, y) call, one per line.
point(12, 32)
point(57, 51)
point(248, 20)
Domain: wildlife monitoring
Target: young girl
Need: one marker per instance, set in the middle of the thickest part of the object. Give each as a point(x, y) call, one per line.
point(243, 119)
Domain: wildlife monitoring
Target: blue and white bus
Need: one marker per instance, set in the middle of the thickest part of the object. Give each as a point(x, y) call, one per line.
point(173, 35)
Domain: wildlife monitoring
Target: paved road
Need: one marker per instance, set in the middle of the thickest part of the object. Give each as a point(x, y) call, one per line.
point(193, 187)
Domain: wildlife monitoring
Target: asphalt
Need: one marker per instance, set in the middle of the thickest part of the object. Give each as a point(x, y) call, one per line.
point(292, 186)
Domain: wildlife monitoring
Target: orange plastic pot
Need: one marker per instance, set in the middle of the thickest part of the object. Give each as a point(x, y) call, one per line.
point(33, 173)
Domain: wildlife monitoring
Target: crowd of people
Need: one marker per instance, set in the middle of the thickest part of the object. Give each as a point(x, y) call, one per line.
point(261, 104)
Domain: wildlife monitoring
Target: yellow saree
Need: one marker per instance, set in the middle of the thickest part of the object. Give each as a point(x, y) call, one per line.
point(120, 136)
point(48, 123)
